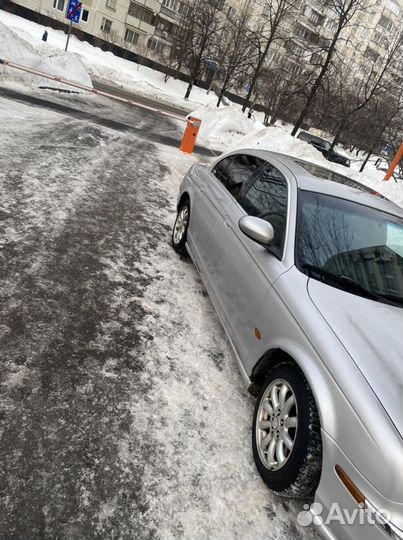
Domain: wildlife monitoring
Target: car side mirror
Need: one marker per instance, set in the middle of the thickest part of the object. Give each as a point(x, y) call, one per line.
point(257, 229)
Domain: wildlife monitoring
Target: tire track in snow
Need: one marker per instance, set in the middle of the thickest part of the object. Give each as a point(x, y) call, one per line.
point(70, 299)
point(202, 483)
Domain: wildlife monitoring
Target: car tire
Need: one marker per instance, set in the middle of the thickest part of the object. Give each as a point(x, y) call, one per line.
point(291, 465)
point(180, 228)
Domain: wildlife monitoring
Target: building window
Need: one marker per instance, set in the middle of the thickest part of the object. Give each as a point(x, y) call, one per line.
point(171, 4)
point(164, 26)
point(155, 45)
point(330, 24)
point(141, 13)
point(394, 7)
point(106, 25)
point(58, 4)
point(131, 36)
point(313, 16)
point(111, 4)
point(371, 54)
point(386, 23)
point(380, 39)
point(304, 33)
point(175, 5)
point(85, 15)
point(365, 69)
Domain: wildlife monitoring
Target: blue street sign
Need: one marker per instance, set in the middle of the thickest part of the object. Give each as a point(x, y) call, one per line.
point(212, 64)
point(74, 11)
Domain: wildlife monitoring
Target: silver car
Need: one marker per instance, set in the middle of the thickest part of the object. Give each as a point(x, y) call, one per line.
point(305, 269)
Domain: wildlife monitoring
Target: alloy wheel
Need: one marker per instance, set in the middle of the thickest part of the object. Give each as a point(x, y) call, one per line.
point(277, 424)
point(181, 224)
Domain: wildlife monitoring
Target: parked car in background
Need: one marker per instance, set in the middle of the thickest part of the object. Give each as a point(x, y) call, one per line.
point(325, 147)
point(305, 269)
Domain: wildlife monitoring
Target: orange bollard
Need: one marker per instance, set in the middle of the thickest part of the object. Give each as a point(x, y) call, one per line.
point(190, 135)
point(394, 164)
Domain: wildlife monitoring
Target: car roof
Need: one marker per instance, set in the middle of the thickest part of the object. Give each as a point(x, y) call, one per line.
point(336, 184)
point(313, 136)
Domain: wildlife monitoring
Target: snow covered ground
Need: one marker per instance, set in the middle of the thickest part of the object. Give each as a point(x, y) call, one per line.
point(15, 48)
point(105, 66)
point(122, 411)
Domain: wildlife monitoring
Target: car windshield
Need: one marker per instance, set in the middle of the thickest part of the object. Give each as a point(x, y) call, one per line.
point(350, 246)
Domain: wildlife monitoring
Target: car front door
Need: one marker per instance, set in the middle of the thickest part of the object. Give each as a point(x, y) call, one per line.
point(246, 270)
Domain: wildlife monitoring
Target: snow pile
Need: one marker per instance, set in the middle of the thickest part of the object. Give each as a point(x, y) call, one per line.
point(229, 129)
point(15, 48)
point(276, 139)
point(108, 68)
point(222, 128)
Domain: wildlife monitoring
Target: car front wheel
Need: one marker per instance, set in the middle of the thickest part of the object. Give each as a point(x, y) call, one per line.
point(286, 438)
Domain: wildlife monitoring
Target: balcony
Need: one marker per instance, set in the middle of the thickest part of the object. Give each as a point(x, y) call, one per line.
point(169, 13)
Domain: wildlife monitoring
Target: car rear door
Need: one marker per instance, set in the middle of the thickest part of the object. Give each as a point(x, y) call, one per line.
point(215, 188)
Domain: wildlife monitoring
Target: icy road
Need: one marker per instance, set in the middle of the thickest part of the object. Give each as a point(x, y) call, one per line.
point(122, 413)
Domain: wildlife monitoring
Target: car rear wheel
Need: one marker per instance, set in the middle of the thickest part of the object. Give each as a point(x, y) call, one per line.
point(286, 438)
point(179, 232)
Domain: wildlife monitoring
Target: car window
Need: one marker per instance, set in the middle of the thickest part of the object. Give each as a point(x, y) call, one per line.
point(235, 171)
point(304, 136)
point(266, 198)
point(350, 246)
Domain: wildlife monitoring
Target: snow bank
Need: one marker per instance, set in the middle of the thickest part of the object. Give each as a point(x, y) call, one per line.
point(108, 68)
point(15, 48)
point(276, 139)
point(222, 128)
point(229, 129)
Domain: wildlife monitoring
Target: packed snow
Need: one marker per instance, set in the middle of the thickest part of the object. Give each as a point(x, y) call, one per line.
point(124, 413)
point(229, 129)
point(14, 48)
point(224, 127)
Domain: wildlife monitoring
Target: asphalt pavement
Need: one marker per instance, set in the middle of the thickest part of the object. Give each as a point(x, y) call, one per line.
point(150, 102)
point(77, 107)
point(122, 412)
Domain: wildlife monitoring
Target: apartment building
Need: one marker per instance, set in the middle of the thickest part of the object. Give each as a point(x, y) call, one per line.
point(140, 26)
point(363, 45)
point(145, 26)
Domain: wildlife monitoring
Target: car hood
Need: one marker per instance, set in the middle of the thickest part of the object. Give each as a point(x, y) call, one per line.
point(372, 334)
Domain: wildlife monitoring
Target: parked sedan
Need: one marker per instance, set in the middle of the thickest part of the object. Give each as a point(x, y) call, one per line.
point(305, 270)
point(325, 148)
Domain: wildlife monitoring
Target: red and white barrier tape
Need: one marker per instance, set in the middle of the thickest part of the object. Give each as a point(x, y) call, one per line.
point(88, 88)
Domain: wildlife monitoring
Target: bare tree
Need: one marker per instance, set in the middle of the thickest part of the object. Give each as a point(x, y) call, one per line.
point(386, 120)
point(344, 12)
point(273, 14)
point(354, 97)
point(280, 89)
point(198, 31)
point(182, 40)
point(236, 50)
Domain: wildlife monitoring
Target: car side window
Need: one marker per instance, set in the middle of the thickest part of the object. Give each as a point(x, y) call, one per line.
point(267, 199)
point(235, 171)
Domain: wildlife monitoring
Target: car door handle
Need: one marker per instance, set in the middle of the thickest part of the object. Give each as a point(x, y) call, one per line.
point(228, 221)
